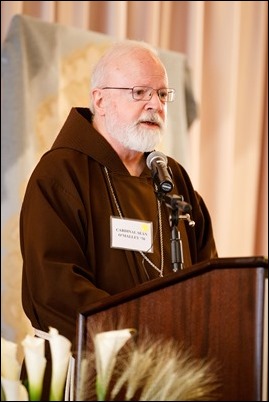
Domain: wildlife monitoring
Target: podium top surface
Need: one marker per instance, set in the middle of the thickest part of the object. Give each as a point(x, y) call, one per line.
point(194, 271)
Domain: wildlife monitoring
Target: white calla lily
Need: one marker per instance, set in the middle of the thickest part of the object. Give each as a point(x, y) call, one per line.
point(10, 373)
point(60, 354)
point(107, 345)
point(10, 367)
point(35, 361)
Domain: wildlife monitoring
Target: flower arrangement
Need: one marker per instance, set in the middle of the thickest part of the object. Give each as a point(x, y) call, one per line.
point(118, 368)
point(12, 388)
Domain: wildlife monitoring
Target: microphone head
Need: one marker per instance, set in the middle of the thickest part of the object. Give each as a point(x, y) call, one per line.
point(161, 173)
point(155, 155)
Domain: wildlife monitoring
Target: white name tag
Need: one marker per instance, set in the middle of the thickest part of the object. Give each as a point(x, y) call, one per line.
point(131, 234)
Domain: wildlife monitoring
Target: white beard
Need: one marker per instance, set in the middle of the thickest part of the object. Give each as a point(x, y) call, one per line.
point(135, 137)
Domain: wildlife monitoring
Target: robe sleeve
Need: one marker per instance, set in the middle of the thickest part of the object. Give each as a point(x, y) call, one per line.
point(58, 279)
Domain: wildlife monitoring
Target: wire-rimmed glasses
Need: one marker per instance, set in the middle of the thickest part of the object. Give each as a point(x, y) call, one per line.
point(142, 93)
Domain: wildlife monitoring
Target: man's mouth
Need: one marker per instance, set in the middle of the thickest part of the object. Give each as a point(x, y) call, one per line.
point(150, 123)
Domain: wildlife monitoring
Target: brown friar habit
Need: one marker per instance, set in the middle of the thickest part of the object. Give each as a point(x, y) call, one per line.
point(68, 261)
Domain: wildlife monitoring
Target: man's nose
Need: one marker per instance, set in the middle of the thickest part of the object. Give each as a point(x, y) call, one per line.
point(155, 102)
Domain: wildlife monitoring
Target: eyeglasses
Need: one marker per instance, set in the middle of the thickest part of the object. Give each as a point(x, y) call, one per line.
point(146, 93)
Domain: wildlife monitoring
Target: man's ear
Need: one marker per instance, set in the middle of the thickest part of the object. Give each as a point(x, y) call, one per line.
point(98, 101)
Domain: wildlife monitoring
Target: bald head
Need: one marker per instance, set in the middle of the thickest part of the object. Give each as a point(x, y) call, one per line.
point(125, 60)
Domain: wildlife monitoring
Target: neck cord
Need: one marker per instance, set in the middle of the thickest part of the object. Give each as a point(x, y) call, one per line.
point(160, 270)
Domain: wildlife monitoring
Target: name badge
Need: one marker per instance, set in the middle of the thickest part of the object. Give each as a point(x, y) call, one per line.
point(131, 234)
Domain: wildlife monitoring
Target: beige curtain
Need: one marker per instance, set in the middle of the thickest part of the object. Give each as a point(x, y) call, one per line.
point(226, 47)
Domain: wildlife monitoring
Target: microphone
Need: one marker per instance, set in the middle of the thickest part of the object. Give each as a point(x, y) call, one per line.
point(161, 173)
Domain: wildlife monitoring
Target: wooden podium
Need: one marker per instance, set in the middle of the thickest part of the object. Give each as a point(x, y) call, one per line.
point(217, 310)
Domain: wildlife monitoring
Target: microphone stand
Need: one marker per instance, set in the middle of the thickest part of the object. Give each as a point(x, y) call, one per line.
point(176, 242)
point(177, 205)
